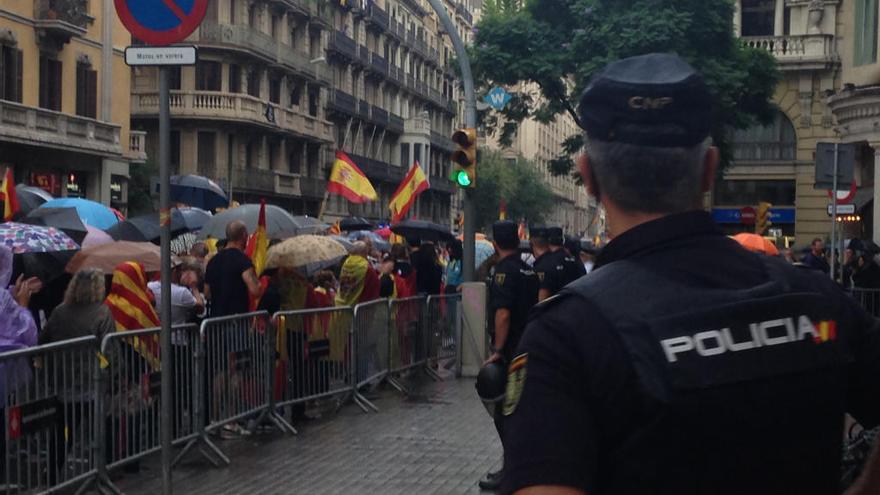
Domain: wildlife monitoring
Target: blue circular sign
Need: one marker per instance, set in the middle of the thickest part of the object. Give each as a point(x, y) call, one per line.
point(161, 22)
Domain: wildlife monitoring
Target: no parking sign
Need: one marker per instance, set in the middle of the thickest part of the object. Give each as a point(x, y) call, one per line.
point(161, 22)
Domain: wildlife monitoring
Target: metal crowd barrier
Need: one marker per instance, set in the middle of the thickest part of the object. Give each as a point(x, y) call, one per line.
point(49, 394)
point(313, 359)
point(443, 319)
point(370, 347)
point(74, 410)
point(132, 381)
point(868, 299)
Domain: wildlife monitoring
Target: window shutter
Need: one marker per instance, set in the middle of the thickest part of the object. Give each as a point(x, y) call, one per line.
point(19, 76)
point(92, 93)
point(44, 82)
point(81, 106)
point(56, 84)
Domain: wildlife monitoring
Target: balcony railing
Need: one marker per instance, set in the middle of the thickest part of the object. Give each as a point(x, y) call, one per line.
point(395, 124)
point(342, 44)
point(137, 146)
point(62, 18)
point(793, 51)
point(378, 16)
point(379, 115)
point(342, 102)
point(71, 132)
point(281, 183)
point(442, 142)
point(379, 64)
point(377, 169)
point(363, 109)
point(231, 107)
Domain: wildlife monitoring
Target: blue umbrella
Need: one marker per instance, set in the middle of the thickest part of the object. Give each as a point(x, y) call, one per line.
point(483, 250)
point(198, 191)
point(91, 213)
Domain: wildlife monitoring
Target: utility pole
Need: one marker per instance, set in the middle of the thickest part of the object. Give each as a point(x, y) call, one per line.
point(470, 121)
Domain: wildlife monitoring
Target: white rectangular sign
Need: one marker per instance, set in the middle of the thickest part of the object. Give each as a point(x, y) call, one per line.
point(844, 209)
point(160, 55)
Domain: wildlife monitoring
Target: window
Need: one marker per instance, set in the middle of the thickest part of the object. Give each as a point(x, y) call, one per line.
point(10, 73)
point(86, 90)
point(865, 38)
point(752, 192)
point(174, 77)
point(207, 153)
point(208, 76)
point(50, 83)
point(234, 78)
point(417, 153)
point(250, 155)
point(313, 101)
point(253, 16)
point(232, 8)
point(294, 159)
point(273, 29)
point(275, 90)
point(295, 93)
point(758, 17)
point(404, 155)
point(774, 142)
point(253, 83)
point(175, 151)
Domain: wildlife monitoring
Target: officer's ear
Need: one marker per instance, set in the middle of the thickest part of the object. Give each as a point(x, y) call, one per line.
point(710, 166)
point(587, 176)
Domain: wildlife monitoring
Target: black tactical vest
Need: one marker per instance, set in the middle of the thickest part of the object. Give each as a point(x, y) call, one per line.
point(734, 391)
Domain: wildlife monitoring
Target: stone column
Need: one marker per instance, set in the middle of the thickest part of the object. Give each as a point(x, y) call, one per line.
point(876, 226)
point(737, 18)
point(779, 21)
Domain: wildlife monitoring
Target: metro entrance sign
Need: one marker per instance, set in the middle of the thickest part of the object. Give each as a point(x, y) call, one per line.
point(161, 22)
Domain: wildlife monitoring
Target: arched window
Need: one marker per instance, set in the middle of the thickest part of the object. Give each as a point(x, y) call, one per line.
point(774, 142)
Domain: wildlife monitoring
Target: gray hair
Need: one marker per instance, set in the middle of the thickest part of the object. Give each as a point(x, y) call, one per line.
point(649, 179)
point(86, 287)
point(360, 248)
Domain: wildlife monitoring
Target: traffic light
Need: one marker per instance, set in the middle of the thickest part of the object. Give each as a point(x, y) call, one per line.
point(762, 218)
point(465, 157)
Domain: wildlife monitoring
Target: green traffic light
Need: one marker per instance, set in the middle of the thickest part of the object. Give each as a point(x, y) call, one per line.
point(463, 179)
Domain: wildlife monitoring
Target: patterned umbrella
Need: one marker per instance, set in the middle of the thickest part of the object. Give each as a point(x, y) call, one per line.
point(309, 253)
point(23, 238)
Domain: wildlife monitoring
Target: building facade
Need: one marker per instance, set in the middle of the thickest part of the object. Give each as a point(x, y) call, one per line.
point(64, 99)
point(775, 163)
point(281, 85)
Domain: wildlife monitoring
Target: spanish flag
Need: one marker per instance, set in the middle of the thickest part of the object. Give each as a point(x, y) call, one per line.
point(502, 210)
point(258, 243)
point(412, 185)
point(8, 196)
point(347, 180)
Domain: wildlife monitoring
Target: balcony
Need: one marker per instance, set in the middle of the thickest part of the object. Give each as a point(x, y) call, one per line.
point(363, 55)
point(50, 129)
point(61, 20)
point(798, 52)
point(342, 102)
point(232, 107)
point(378, 170)
point(343, 45)
point(441, 142)
point(281, 183)
point(395, 124)
point(377, 16)
point(462, 12)
point(379, 64)
point(137, 146)
point(379, 115)
point(363, 109)
point(442, 184)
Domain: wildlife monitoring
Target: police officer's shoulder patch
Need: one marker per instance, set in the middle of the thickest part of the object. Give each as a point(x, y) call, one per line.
point(499, 278)
point(516, 379)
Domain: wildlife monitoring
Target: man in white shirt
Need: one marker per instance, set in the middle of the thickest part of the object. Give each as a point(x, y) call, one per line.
point(186, 300)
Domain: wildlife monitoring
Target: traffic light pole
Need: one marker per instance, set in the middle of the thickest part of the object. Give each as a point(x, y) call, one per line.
point(470, 120)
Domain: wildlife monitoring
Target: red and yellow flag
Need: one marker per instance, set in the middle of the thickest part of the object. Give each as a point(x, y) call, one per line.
point(412, 185)
point(258, 243)
point(132, 309)
point(347, 180)
point(8, 196)
point(502, 210)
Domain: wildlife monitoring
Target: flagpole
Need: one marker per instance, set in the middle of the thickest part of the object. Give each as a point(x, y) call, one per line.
point(323, 205)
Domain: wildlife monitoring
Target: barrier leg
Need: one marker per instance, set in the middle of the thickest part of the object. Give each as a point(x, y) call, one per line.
point(270, 414)
point(207, 448)
point(101, 482)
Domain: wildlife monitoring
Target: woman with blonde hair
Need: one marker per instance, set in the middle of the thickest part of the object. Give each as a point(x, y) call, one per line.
point(83, 311)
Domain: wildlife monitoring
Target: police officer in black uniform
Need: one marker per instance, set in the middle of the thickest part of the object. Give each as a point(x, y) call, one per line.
point(547, 265)
point(572, 268)
point(684, 364)
point(513, 290)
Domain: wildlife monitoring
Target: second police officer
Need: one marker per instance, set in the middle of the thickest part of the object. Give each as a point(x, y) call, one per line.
point(683, 364)
point(513, 290)
point(572, 268)
point(548, 266)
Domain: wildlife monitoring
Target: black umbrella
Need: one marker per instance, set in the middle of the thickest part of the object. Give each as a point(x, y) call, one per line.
point(198, 191)
point(66, 220)
point(348, 224)
point(145, 228)
point(279, 223)
point(428, 231)
point(30, 198)
point(309, 225)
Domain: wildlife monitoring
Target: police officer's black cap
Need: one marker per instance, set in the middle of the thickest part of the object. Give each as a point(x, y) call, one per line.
point(650, 100)
point(505, 231)
point(554, 235)
point(539, 231)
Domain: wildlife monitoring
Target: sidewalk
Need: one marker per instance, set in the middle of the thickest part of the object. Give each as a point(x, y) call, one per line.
point(439, 441)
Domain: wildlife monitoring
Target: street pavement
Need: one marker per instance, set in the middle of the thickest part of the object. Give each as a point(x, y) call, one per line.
point(439, 440)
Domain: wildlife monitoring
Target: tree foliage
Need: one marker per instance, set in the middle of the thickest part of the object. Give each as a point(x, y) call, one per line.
point(518, 183)
point(139, 199)
point(558, 45)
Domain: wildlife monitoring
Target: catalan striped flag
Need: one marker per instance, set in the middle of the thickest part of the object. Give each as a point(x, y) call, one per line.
point(410, 187)
point(8, 195)
point(130, 303)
